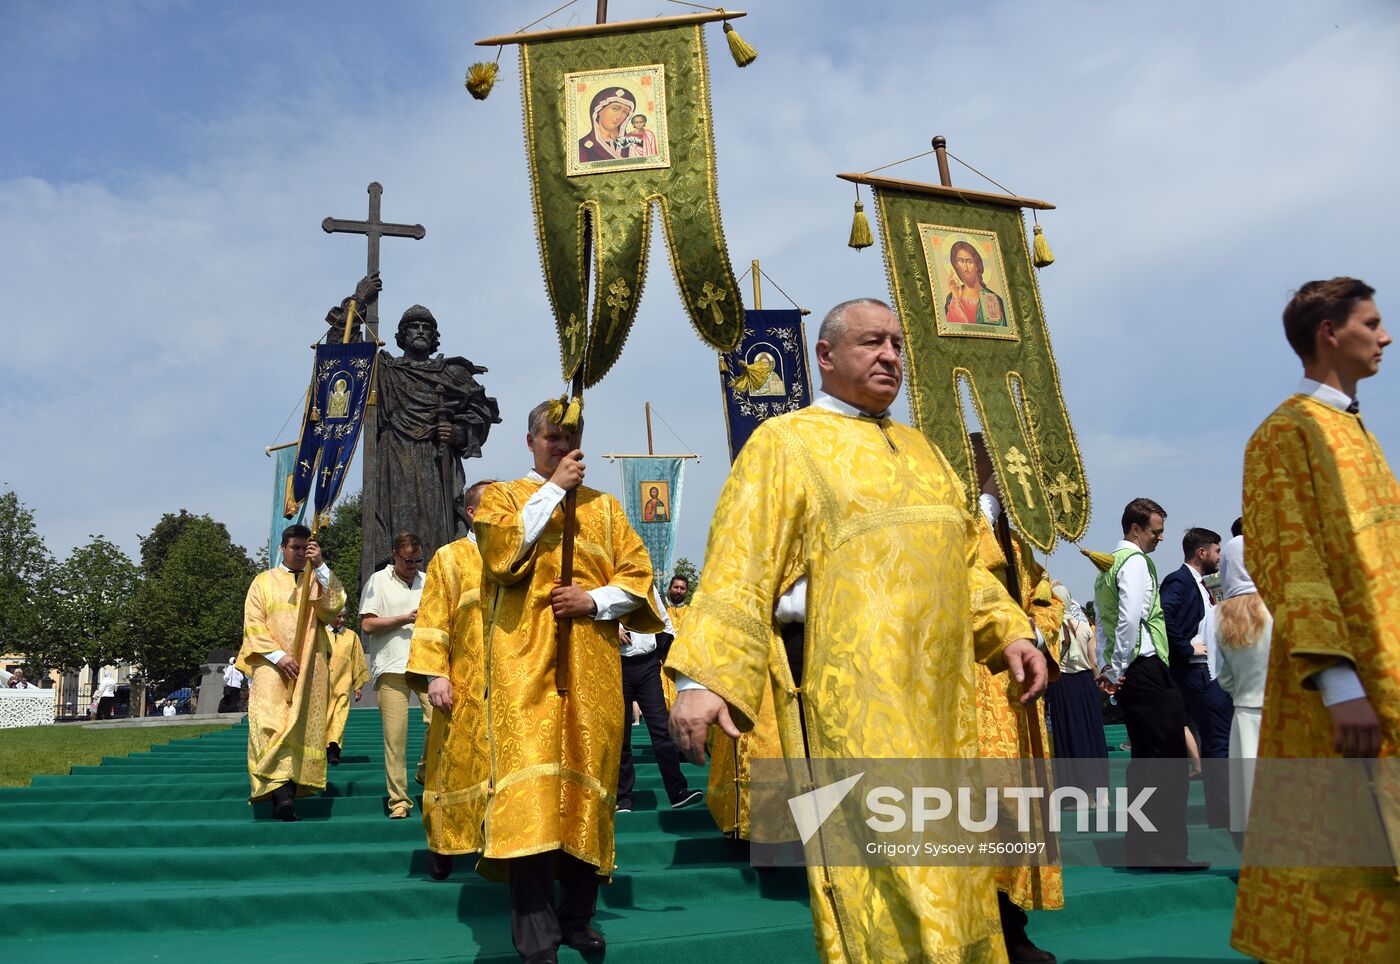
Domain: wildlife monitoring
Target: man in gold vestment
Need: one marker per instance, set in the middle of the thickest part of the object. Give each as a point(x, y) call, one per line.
point(349, 674)
point(1322, 541)
point(288, 690)
point(854, 526)
point(446, 658)
point(1003, 723)
point(554, 757)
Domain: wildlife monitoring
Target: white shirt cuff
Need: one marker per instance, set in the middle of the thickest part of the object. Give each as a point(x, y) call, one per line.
point(274, 657)
point(684, 682)
point(536, 513)
point(614, 603)
point(1337, 684)
point(323, 575)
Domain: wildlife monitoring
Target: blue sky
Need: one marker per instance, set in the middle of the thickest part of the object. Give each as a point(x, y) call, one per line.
point(166, 165)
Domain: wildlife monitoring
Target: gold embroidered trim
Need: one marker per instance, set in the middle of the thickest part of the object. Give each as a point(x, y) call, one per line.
point(900, 516)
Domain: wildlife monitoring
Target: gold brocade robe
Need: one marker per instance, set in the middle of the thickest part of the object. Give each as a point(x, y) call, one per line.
point(287, 721)
point(728, 795)
point(348, 673)
point(447, 643)
point(897, 604)
point(554, 760)
point(1002, 732)
point(1322, 541)
point(677, 616)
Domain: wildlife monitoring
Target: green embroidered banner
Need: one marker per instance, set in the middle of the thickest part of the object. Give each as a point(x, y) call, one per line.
point(966, 294)
point(616, 123)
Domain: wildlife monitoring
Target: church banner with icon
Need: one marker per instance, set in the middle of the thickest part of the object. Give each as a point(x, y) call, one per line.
point(651, 494)
point(341, 379)
point(286, 511)
point(766, 375)
point(618, 122)
point(963, 285)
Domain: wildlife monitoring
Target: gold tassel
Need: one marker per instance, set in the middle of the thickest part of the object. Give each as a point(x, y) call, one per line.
point(556, 409)
point(1040, 250)
point(739, 47)
point(1101, 560)
point(860, 229)
point(480, 79)
point(573, 414)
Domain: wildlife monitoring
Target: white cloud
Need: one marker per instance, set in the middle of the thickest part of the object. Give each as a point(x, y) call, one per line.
point(1205, 162)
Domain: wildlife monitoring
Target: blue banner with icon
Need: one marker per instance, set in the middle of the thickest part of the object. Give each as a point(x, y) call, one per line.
point(341, 380)
point(285, 510)
point(766, 375)
point(651, 494)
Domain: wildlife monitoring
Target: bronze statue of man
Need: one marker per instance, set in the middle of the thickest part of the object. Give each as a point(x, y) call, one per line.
point(429, 414)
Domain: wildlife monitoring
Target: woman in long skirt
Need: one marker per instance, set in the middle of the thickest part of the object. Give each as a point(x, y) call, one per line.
point(1072, 703)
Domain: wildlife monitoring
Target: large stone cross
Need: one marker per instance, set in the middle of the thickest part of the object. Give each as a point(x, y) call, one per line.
point(373, 229)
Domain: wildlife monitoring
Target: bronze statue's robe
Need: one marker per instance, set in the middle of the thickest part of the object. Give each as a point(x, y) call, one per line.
point(447, 643)
point(287, 721)
point(1002, 732)
point(348, 673)
point(898, 608)
point(554, 759)
point(1322, 541)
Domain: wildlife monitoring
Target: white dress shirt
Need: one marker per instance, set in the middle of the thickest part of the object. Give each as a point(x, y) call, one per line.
point(612, 602)
point(1339, 683)
point(639, 644)
point(386, 595)
point(1130, 637)
point(323, 576)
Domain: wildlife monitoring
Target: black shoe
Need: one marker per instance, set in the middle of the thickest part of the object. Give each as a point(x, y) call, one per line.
point(1189, 867)
point(284, 803)
point(439, 865)
point(624, 806)
point(333, 754)
point(1027, 953)
point(686, 799)
point(584, 938)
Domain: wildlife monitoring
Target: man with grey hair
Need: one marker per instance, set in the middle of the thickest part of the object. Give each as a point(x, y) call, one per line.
point(849, 535)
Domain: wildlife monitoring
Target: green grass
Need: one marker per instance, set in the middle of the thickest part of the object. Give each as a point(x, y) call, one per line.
point(30, 750)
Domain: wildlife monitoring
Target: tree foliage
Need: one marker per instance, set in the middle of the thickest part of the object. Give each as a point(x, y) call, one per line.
point(83, 608)
point(340, 541)
point(686, 568)
point(24, 561)
point(191, 600)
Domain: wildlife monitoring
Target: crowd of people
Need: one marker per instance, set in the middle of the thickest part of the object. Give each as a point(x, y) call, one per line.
point(529, 678)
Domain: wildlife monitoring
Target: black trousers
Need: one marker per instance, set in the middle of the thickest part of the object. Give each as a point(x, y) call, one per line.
point(538, 921)
point(641, 681)
point(1156, 719)
point(105, 706)
point(228, 703)
point(1211, 710)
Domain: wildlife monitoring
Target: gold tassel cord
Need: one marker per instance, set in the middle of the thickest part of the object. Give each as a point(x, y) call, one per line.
point(566, 412)
point(752, 377)
point(861, 236)
point(1040, 250)
point(481, 78)
point(1101, 560)
point(738, 46)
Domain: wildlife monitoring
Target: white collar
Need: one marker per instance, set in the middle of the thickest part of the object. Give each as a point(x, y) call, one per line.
point(471, 534)
point(1125, 544)
point(833, 404)
point(534, 476)
point(1325, 394)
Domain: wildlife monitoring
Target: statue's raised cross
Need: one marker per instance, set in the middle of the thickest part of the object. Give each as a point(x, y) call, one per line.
point(373, 229)
point(1064, 487)
point(1018, 465)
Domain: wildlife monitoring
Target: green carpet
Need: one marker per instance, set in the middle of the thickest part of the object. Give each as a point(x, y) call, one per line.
point(157, 856)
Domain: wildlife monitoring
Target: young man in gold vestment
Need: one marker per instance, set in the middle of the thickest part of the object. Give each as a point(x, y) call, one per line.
point(447, 660)
point(1322, 524)
point(554, 757)
point(288, 691)
point(349, 674)
point(854, 526)
point(1003, 723)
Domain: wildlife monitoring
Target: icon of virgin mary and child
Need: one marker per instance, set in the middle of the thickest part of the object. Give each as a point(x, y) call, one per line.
point(618, 130)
